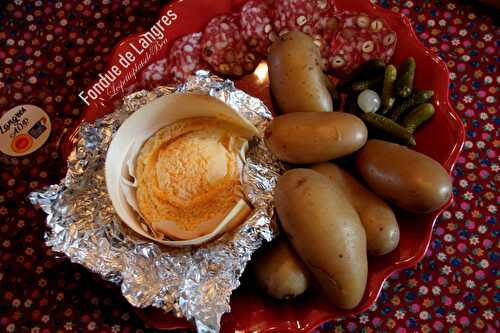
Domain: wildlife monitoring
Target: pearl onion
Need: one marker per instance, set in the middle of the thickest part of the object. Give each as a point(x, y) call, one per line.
point(369, 101)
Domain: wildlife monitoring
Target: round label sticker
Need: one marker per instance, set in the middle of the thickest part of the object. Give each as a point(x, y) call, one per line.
point(23, 129)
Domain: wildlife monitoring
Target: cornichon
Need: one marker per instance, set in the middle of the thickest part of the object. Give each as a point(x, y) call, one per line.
point(418, 97)
point(368, 70)
point(404, 84)
point(388, 126)
point(357, 87)
point(417, 117)
point(336, 101)
point(388, 94)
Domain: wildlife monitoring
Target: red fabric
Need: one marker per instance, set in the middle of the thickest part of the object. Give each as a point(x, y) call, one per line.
point(50, 51)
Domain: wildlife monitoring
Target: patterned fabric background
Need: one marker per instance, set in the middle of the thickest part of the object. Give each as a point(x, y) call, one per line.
point(49, 51)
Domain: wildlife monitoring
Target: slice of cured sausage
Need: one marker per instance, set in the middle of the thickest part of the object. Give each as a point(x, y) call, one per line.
point(360, 38)
point(256, 23)
point(156, 74)
point(224, 48)
point(300, 15)
point(185, 57)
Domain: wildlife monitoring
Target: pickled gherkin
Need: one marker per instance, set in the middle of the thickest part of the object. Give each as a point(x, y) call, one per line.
point(417, 117)
point(418, 97)
point(404, 84)
point(388, 91)
point(368, 70)
point(388, 126)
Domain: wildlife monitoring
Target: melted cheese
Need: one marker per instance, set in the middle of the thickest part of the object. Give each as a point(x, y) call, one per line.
point(189, 176)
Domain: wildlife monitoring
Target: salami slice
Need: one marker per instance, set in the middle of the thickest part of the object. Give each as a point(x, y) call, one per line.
point(156, 74)
point(224, 48)
point(326, 28)
point(256, 23)
point(360, 38)
point(185, 57)
point(300, 15)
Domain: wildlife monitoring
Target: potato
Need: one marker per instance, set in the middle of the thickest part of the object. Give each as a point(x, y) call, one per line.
point(297, 81)
point(381, 227)
point(403, 176)
point(308, 137)
point(326, 232)
point(279, 271)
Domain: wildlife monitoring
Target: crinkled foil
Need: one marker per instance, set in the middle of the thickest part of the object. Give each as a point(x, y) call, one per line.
point(195, 283)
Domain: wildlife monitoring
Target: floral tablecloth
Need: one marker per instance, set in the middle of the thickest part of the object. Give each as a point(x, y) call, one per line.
point(51, 50)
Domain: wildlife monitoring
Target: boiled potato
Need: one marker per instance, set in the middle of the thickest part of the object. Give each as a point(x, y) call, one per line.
point(312, 137)
point(403, 176)
point(326, 232)
point(280, 272)
point(297, 81)
point(381, 227)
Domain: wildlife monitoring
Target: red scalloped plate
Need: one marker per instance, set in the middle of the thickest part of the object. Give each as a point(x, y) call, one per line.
point(441, 138)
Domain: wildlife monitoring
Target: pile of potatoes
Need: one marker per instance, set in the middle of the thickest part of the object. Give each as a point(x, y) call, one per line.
point(332, 220)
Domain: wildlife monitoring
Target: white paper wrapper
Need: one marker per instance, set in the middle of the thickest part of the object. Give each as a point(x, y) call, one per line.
point(119, 168)
point(195, 283)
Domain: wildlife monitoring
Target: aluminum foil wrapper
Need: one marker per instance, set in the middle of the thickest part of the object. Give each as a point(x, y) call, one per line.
point(195, 283)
